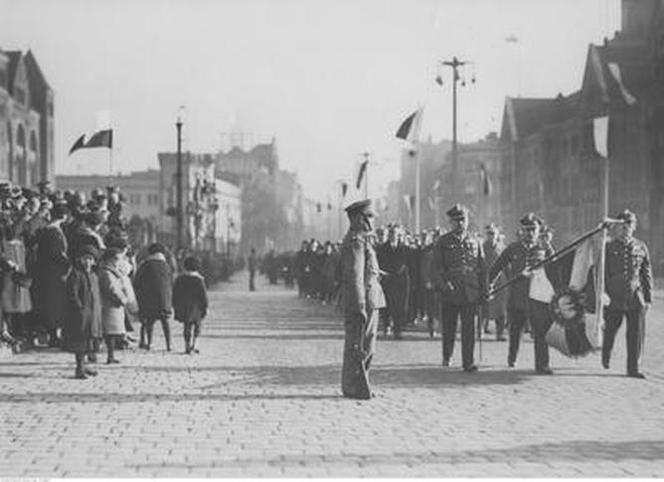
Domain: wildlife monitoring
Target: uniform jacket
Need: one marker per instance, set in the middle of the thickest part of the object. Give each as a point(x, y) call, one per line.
point(190, 300)
point(83, 320)
point(361, 289)
point(459, 260)
point(512, 261)
point(628, 274)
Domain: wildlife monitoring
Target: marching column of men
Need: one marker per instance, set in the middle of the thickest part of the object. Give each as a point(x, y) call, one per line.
point(458, 270)
point(443, 279)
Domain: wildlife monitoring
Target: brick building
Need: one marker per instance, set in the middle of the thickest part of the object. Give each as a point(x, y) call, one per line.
point(26, 120)
point(548, 144)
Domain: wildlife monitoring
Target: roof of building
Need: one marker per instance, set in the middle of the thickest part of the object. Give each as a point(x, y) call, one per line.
point(14, 59)
point(36, 79)
point(524, 116)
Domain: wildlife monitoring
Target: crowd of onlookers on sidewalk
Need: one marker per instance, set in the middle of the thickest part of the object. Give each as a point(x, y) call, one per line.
point(71, 279)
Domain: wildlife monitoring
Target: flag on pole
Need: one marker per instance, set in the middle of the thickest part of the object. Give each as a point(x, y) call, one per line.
point(614, 68)
point(409, 130)
point(79, 144)
point(601, 135)
point(103, 138)
point(360, 175)
point(567, 286)
point(432, 204)
point(436, 185)
point(406, 200)
point(344, 189)
point(486, 180)
point(318, 207)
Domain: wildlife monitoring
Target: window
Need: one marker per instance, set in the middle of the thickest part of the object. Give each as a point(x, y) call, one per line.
point(20, 95)
point(50, 109)
point(3, 79)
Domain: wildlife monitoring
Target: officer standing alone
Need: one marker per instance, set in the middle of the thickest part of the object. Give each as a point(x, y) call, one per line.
point(629, 285)
point(363, 297)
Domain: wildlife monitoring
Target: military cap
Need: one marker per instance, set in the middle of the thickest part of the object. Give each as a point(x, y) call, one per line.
point(492, 228)
point(363, 206)
point(16, 191)
point(44, 186)
point(530, 220)
point(458, 211)
point(627, 216)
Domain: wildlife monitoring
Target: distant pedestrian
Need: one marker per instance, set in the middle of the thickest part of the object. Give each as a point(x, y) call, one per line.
point(363, 297)
point(83, 323)
point(190, 302)
point(253, 265)
point(153, 286)
point(115, 297)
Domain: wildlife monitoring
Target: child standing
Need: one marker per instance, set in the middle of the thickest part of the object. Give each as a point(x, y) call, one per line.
point(190, 302)
point(83, 321)
point(114, 298)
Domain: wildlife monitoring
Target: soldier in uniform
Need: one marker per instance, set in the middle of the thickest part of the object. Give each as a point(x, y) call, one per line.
point(517, 259)
point(629, 285)
point(494, 309)
point(460, 272)
point(363, 297)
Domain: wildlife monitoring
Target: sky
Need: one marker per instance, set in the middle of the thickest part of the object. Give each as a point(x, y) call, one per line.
point(329, 80)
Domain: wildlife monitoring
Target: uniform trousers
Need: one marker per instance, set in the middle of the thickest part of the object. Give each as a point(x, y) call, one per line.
point(635, 333)
point(359, 349)
point(537, 314)
point(450, 315)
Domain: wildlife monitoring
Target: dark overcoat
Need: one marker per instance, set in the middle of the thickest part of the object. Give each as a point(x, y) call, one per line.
point(51, 271)
point(153, 287)
point(83, 309)
point(190, 300)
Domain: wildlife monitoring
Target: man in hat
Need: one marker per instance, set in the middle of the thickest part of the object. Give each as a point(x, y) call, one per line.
point(363, 297)
point(460, 273)
point(395, 282)
point(515, 260)
point(628, 278)
point(494, 309)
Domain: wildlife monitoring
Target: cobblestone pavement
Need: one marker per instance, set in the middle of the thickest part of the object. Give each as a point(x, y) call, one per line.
point(262, 399)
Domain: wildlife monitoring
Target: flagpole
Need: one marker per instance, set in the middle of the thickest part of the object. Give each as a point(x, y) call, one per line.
point(366, 176)
point(417, 189)
point(604, 163)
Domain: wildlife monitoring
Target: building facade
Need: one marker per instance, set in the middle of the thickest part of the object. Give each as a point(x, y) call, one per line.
point(26, 120)
point(212, 206)
point(549, 146)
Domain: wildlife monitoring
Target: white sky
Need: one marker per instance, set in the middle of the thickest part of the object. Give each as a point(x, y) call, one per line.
point(330, 79)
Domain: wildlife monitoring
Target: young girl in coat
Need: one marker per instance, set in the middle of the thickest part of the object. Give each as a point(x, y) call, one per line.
point(190, 302)
point(83, 321)
point(114, 299)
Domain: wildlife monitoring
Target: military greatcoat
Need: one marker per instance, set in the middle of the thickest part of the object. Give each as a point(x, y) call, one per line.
point(363, 297)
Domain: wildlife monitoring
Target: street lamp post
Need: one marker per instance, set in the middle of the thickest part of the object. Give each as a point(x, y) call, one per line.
point(178, 187)
point(454, 64)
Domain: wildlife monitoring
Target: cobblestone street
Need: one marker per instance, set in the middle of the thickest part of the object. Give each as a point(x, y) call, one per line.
point(263, 399)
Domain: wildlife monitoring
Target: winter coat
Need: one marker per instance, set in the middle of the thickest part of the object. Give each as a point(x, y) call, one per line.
point(153, 287)
point(190, 301)
point(84, 311)
point(51, 271)
point(114, 297)
point(15, 298)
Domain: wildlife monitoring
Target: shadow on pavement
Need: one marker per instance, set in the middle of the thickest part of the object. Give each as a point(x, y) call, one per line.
point(577, 451)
